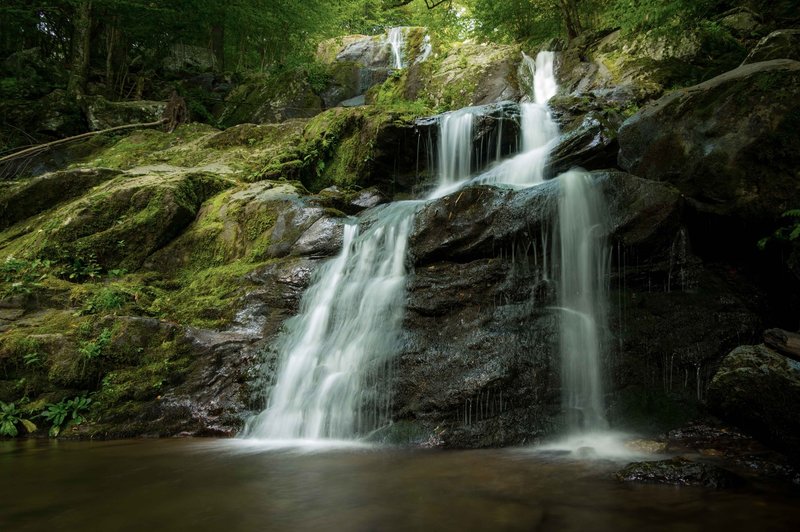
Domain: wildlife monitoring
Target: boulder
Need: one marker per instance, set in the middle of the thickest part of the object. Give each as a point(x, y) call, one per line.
point(679, 472)
point(268, 99)
point(592, 146)
point(123, 221)
point(759, 390)
point(632, 69)
point(468, 74)
point(105, 114)
point(780, 44)
point(728, 144)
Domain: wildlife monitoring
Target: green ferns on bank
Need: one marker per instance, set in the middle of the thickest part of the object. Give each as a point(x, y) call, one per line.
point(61, 416)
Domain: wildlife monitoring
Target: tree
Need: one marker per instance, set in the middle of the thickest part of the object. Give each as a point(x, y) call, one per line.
point(81, 49)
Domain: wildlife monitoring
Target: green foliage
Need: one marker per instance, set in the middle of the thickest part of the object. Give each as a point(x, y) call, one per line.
point(21, 276)
point(92, 349)
point(65, 414)
point(107, 299)
point(10, 417)
point(787, 233)
point(673, 16)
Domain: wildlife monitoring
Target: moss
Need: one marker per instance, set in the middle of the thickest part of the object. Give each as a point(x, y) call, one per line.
point(206, 298)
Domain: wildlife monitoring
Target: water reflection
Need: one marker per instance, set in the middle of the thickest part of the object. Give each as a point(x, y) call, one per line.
point(234, 485)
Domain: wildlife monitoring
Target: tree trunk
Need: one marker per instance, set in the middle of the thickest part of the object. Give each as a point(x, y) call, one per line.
point(572, 20)
point(218, 46)
point(81, 49)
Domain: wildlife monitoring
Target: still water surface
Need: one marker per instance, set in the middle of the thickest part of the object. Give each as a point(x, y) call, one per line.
point(230, 485)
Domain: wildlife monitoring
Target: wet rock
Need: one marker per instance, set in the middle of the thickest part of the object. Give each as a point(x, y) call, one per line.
point(780, 44)
point(680, 472)
point(322, 239)
point(759, 390)
point(591, 146)
point(728, 145)
point(478, 220)
point(480, 323)
point(348, 201)
point(646, 446)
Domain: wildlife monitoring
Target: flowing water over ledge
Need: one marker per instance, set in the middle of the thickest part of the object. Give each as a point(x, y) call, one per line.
point(236, 485)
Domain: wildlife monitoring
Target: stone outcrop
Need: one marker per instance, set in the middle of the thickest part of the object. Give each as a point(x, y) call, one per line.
point(728, 144)
point(759, 390)
point(780, 44)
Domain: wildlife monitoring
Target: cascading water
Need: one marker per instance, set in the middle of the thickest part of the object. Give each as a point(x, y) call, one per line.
point(539, 130)
point(336, 353)
point(397, 39)
point(582, 298)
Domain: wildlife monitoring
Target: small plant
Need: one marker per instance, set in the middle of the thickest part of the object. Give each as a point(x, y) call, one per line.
point(32, 359)
point(65, 414)
point(10, 417)
point(788, 233)
point(22, 276)
point(106, 299)
point(93, 349)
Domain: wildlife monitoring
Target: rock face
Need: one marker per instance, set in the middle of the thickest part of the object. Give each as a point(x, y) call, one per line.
point(480, 362)
point(103, 114)
point(780, 44)
point(759, 390)
point(728, 144)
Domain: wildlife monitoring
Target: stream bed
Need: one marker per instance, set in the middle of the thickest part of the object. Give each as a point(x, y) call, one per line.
point(189, 484)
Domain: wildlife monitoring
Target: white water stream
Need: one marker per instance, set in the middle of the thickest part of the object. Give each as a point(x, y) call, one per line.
point(582, 299)
point(397, 41)
point(336, 353)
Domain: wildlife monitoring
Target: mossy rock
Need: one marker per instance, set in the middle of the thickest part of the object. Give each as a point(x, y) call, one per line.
point(118, 224)
point(23, 199)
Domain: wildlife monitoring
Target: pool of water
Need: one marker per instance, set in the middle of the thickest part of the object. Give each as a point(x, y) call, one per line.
point(232, 485)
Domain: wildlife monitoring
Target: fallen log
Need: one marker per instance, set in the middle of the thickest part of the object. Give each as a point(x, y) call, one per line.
point(784, 342)
point(27, 152)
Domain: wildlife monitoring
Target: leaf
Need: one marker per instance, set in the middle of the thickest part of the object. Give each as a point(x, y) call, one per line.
point(29, 425)
point(7, 428)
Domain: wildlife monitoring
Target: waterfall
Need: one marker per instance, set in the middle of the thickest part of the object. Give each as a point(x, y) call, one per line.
point(582, 299)
point(539, 130)
point(455, 146)
point(396, 39)
point(336, 353)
